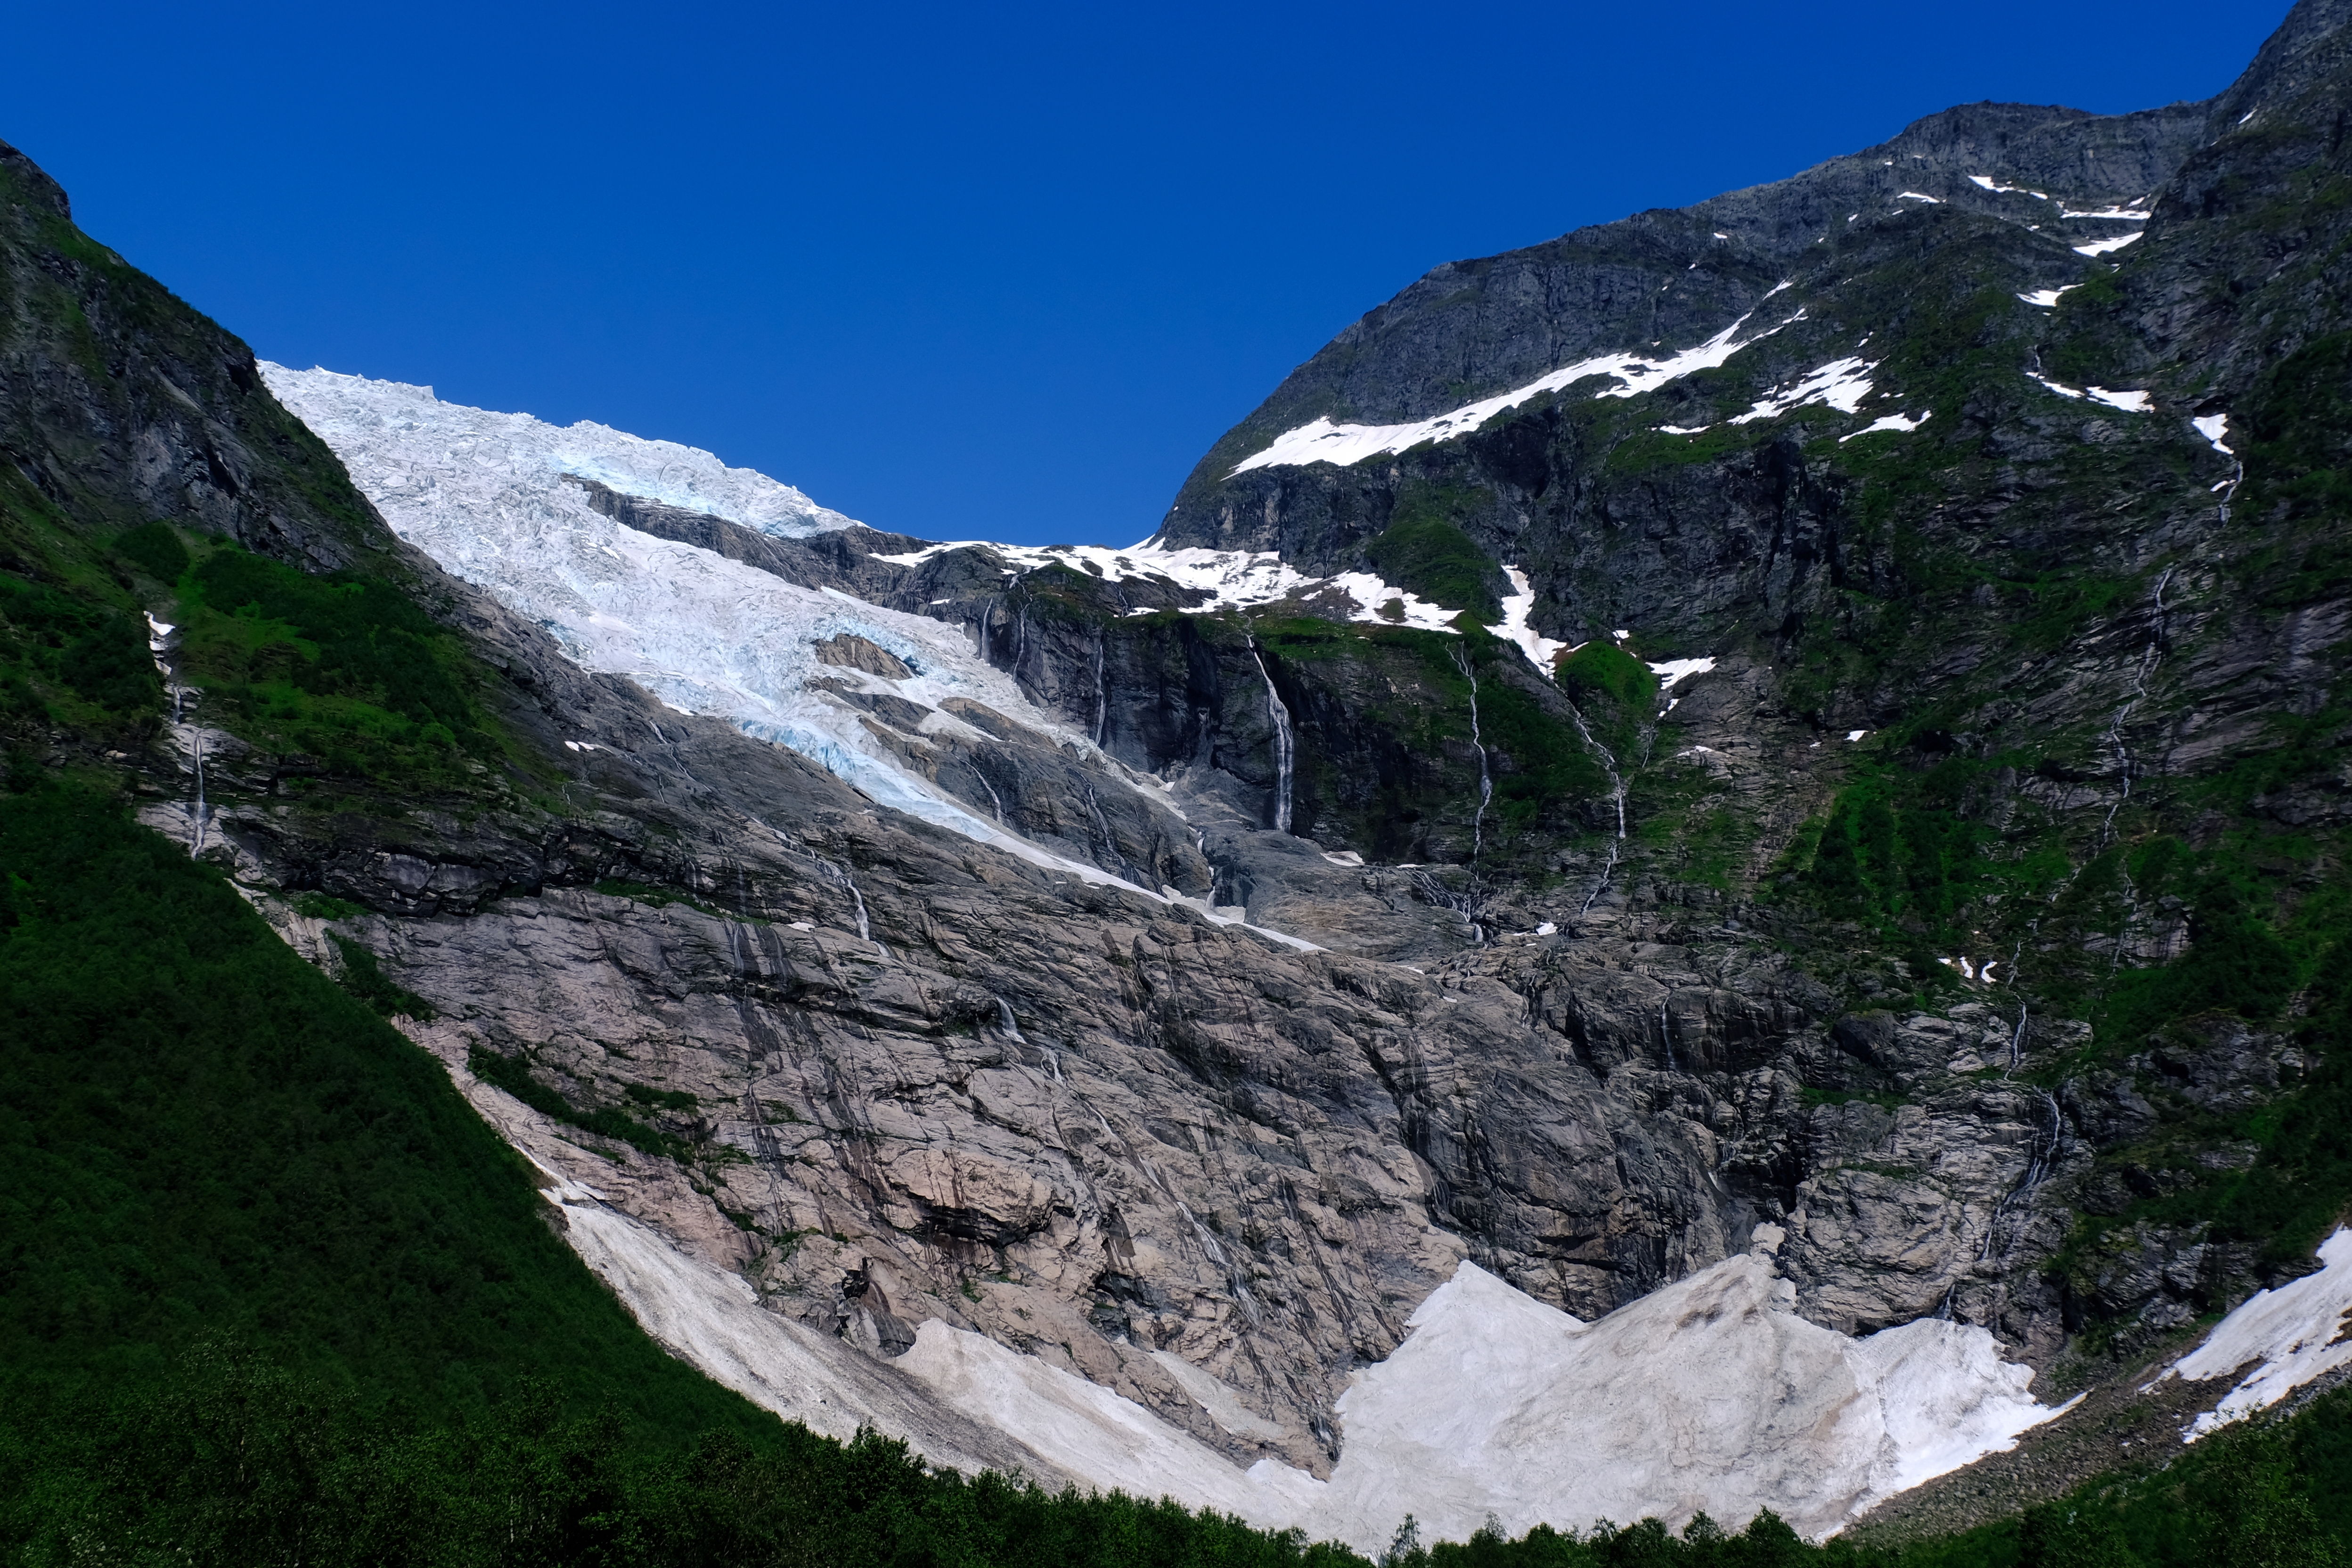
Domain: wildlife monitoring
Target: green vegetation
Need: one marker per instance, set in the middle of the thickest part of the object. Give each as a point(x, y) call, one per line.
point(1604, 669)
point(513, 1075)
point(343, 668)
point(66, 659)
point(1424, 550)
point(205, 1137)
point(365, 979)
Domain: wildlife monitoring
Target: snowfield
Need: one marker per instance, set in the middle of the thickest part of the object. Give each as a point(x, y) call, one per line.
point(1233, 579)
point(2290, 1335)
point(1320, 441)
point(1709, 1395)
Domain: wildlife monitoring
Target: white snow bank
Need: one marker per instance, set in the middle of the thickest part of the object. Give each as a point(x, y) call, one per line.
point(1708, 1394)
point(1890, 422)
point(2295, 1332)
point(1987, 182)
point(1320, 441)
point(1541, 651)
point(2046, 298)
point(2215, 428)
point(712, 1318)
point(2101, 247)
point(1915, 196)
point(1672, 670)
point(2129, 402)
point(1105, 1440)
point(1842, 385)
point(1232, 579)
point(2114, 214)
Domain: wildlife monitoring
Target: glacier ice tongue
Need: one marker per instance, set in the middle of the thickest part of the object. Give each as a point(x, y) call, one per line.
point(533, 456)
point(484, 495)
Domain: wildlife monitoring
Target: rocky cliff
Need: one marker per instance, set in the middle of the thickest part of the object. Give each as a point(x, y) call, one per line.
point(1818, 711)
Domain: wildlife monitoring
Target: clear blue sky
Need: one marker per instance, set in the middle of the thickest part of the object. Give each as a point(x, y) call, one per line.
point(958, 272)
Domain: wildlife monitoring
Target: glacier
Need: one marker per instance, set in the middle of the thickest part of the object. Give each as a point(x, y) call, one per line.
point(485, 494)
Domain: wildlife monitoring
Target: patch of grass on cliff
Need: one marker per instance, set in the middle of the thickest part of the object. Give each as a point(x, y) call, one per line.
point(1424, 550)
point(513, 1074)
point(344, 668)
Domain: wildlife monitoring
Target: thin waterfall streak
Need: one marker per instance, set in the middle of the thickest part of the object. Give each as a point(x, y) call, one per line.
point(1486, 774)
point(197, 822)
point(1608, 869)
point(1102, 695)
point(1608, 766)
point(1284, 745)
point(2040, 1160)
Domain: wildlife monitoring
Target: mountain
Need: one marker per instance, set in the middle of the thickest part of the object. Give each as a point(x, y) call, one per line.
point(1744, 807)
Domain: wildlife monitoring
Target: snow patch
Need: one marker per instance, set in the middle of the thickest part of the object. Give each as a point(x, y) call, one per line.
point(1915, 196)
point(2046, 298)
point(1232, 579)
point(1987, 182)
point(1710, 1393)
point(1321, 441)
point(2101, 247)
point(1673, 671)
point(1841, 383)
point(1890, 422)
point(2295, 1332)
point(1542, 652)
point(2215, 428)
point(2117, 215)
point(2129, 402)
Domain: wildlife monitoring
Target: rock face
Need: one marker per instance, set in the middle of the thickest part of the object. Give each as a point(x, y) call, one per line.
point(1955, 667)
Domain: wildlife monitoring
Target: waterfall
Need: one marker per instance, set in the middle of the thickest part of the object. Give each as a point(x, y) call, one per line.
point(1607, 765)
point(1616, 800)
point(1486, 777)
point(1102, 695)
point(2041, 1160)
point(197, 842)
point(159, 642)
point(2148, 658)
point(864, 928)
point(1608, 869)
point(993, 798)
point(840, 878)
point(1285, 747)
point(1667, 1033)
point(2016, 1041)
